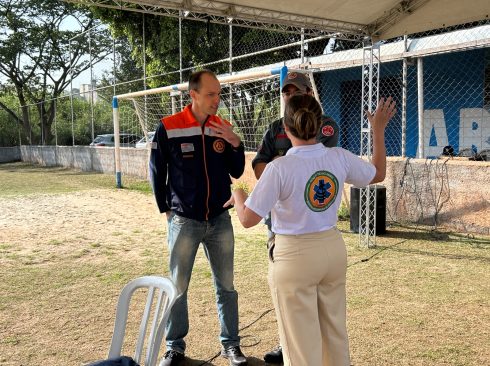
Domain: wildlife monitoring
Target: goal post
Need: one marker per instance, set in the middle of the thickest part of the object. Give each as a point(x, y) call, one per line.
point(250, 100)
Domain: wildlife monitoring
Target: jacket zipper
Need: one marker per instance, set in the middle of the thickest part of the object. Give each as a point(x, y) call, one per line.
point(205, 167)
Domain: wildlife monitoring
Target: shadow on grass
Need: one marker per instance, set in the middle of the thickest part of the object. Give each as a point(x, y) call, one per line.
point(246, 345)
point(407, 233)
point(25, 167)
point(423, 234)
point(434, 254)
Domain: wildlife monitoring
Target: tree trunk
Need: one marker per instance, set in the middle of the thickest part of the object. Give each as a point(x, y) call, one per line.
point(26, 124)
point(46, 117)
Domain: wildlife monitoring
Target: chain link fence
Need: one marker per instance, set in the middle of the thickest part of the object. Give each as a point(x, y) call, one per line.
point(442, 97)
point(446, 73)
point(440, 81)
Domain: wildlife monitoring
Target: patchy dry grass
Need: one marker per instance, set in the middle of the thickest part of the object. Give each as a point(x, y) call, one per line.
point(69, 242)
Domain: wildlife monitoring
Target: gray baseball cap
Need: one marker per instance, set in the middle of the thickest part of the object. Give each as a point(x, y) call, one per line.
point(299, 80)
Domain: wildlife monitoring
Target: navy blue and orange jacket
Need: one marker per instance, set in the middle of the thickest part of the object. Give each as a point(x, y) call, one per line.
point(190, 168)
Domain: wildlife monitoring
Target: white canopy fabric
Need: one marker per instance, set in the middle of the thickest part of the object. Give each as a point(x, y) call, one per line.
point(379, 19)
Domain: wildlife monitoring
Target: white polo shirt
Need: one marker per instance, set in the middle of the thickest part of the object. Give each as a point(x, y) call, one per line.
point(303, 189)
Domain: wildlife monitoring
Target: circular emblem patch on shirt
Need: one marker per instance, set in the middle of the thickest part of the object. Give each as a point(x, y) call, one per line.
point(321, 190)
point(327, 131)
point(219, 146)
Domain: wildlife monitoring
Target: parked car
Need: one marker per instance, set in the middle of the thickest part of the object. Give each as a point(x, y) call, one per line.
point(126, 140)
point(143, 143)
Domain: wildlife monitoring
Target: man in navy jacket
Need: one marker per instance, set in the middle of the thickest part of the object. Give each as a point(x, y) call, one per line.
point(194, 153)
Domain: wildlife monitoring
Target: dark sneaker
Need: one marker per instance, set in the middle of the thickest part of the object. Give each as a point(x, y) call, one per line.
point(235, 356)
point(274, 356)
point(172, 358)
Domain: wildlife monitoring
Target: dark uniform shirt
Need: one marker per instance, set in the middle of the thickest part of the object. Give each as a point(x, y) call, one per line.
point(276, 143)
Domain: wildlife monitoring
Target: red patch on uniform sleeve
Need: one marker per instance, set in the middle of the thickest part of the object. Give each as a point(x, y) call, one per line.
point(328, 131)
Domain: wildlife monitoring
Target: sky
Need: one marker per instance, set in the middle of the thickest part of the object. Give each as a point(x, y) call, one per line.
point(72, 24)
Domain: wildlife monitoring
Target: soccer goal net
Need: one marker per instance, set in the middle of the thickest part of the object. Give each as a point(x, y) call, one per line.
point(250, 101)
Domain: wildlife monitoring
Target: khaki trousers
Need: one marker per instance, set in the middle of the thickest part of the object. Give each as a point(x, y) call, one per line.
point(307, 282)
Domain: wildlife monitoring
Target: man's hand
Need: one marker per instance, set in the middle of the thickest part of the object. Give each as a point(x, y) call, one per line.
point(167, 215)
point(225, 131)
point(230, 202)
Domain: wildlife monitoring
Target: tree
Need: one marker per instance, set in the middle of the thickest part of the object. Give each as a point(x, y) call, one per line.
point(35, 55)
point(9, 131)
point(202, 43)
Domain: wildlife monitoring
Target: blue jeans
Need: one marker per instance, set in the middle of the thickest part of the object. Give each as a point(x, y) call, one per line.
point(184, 237)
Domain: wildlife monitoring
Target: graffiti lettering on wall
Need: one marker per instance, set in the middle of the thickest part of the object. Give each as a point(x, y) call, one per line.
point(474, 130)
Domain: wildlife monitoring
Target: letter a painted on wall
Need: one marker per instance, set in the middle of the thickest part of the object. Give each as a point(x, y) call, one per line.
point(435, 126)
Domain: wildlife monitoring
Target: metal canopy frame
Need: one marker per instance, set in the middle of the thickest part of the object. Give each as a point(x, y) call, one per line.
point(220, 12)
point(355, 19)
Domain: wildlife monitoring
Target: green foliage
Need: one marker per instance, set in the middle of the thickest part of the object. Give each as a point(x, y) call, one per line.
point(344, 212)
point(9, 130)
point(127, 70)
point(242, 185)
point(9, 127)
point(39, 57)
point(202, 43)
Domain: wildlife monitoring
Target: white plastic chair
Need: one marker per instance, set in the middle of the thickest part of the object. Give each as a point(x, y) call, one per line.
point(166, 296)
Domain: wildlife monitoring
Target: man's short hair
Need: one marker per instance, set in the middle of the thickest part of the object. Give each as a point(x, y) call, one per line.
point(195, 79)
point(299, 80)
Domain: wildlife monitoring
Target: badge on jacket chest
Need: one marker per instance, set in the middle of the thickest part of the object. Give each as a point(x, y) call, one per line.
point(187, 147)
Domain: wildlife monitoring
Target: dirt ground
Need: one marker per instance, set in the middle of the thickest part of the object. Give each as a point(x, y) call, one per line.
point(61, 241)
point(80, 220)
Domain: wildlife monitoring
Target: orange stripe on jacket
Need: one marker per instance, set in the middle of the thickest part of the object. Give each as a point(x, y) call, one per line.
point(186, 119)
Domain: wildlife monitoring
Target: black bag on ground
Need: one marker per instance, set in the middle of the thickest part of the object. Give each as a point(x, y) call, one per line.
point(118, 361)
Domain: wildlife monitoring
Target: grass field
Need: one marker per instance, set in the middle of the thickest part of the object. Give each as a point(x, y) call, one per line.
point(69, 241)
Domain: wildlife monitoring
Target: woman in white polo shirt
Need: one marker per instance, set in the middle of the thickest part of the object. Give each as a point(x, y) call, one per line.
point(307, 271)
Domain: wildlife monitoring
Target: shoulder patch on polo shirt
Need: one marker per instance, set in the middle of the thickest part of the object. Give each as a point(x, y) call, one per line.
point(328, 130)
point(321, 190)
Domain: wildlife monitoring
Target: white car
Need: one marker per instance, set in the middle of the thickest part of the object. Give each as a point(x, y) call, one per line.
point(143, 143)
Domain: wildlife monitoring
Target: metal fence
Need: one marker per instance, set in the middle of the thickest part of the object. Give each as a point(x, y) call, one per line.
point(441, 82)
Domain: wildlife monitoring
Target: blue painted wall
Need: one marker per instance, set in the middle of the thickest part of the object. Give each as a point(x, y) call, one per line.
point(451, 82)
